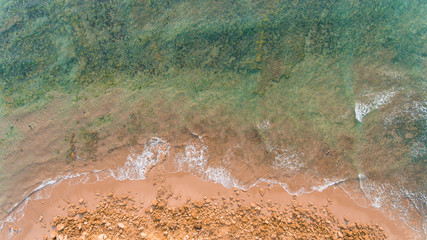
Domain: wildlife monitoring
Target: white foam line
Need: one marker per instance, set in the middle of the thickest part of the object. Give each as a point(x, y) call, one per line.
point(135, 169)
point(355, 200)
point(288, 160)
point(136, 166)
point(376, 201)
point(17, 209)
point(222, 176)
point(375, 101)
point(303, 190)
point(193, 161)
point(393, 199)
point(411, 110)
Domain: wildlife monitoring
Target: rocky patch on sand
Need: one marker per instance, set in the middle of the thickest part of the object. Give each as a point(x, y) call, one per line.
point(213, 217)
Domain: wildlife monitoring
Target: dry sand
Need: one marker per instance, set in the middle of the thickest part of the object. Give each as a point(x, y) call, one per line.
point(182, 206)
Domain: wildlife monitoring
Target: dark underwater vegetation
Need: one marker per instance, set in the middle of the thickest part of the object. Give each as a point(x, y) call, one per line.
point(339, 83)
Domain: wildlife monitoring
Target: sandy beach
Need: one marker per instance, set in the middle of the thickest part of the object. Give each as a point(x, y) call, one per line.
point(149, 209)
point(213, 120)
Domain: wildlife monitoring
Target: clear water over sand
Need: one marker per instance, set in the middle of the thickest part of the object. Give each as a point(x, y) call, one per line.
point(304, 94)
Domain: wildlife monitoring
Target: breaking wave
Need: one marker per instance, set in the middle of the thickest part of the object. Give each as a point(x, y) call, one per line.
point(137, 166)
point(194, 160)
point(397, 201)
point(40, 192)
point(371, 102)
point(288, 160)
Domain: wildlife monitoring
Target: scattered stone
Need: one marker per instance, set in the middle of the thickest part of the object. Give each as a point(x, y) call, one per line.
point(53, 234)
point(102, 237)
point(82, 211)
point(143, 235)
point(198, 225)
point(262, 192)
point(154, 203)
point(62, 237)
point(71, 212)
point(160, 205)
point(198, 204)
point(60, 226)
point(208, 218)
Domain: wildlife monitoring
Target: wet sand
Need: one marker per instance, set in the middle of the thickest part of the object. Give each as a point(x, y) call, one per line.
point(178, 189)
point(182, 185)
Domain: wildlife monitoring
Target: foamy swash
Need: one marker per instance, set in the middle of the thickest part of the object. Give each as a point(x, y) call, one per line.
point(194, 160)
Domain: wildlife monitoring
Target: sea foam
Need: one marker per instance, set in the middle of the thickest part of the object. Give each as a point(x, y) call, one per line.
point(137, 165)
point(371, 102)
point(194, 160)
point(397, 201)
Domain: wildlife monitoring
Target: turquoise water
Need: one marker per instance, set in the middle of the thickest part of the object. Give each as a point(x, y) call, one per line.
point(333, 89)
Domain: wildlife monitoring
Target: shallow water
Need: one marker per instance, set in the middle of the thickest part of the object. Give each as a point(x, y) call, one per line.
point(307, 95)
point(398, 204)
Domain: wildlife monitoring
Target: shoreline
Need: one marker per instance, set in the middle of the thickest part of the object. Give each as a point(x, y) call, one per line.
point(39, 213)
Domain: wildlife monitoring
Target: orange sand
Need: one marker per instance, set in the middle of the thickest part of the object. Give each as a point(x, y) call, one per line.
point(182, 186)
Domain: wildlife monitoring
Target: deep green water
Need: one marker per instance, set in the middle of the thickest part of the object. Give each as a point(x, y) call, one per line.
point(310, 76)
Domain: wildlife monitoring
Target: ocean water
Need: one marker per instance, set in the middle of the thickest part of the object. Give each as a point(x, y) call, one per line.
point(304, 94)
point(396, 201)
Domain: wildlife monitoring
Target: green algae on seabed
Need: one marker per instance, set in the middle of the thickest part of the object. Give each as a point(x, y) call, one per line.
point(300, 66)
